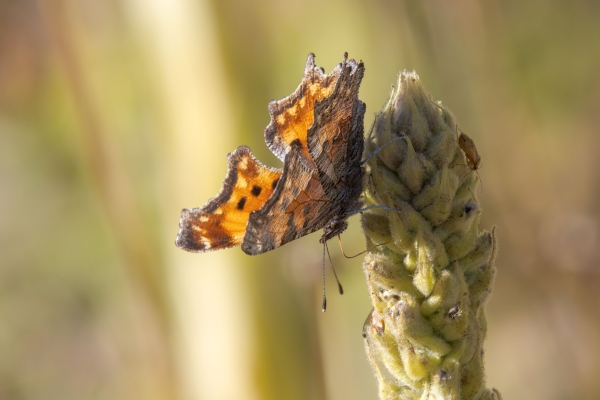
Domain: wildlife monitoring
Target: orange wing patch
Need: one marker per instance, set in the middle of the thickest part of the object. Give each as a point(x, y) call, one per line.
point(292, 116)
point(221, 222)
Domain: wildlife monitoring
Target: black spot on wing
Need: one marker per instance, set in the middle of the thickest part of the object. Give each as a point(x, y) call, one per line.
point(274, 184)
point(256, 190)
point(241, 203)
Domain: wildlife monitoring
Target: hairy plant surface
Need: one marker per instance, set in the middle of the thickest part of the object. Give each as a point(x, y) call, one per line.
point(430, 281)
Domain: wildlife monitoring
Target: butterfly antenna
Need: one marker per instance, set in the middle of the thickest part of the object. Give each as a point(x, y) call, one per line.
point(324, 304)
point(340, 288)
point(362, 252)
point(377, 150)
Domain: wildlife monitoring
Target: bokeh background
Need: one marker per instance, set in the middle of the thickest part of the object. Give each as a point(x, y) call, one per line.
point(115, 114)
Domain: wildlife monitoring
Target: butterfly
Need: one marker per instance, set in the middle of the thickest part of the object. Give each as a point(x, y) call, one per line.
point(317, 132)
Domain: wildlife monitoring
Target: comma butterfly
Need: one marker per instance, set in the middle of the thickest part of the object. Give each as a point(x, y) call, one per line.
point(317, 132)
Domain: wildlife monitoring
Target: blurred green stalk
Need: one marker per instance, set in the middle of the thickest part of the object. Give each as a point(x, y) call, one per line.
point(430, 281)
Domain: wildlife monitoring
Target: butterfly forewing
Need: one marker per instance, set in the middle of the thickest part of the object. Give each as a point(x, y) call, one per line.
point(292, 116)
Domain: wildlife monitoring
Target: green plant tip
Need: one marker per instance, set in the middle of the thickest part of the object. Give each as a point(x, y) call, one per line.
point(429, 283)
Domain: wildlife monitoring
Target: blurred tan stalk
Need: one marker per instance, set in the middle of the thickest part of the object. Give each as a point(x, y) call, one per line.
point(214, 340)
point(429, 283)
point(155, 374)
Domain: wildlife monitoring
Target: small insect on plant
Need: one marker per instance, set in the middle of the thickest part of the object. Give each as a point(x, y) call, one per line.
point(468, 147)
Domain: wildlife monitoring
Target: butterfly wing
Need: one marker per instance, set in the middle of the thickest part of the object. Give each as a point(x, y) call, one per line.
point(335, 140)
point(221, 222)
point(297, 207)
point(292, 116)
point(317, 190)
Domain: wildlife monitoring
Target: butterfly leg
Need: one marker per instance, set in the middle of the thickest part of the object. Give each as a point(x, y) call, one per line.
point(377, 150)
point(362, 252)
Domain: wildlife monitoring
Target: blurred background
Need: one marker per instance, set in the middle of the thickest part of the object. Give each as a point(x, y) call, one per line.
point(116, 114)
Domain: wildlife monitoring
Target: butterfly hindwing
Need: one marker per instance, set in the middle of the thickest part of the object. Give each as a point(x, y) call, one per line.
point(297, 207)
point(221, 222)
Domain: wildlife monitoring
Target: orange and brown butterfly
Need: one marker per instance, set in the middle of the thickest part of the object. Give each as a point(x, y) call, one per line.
point(317, 132)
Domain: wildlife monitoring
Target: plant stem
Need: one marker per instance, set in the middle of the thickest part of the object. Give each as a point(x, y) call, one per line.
point(429, 283)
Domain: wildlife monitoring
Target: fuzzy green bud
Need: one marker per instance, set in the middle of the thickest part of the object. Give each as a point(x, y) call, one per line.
point(429, 282)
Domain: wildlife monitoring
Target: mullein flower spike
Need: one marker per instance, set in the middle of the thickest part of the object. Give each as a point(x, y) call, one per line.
point(429, 283)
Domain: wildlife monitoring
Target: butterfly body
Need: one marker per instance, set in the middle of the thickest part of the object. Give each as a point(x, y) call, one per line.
point(318, 133)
